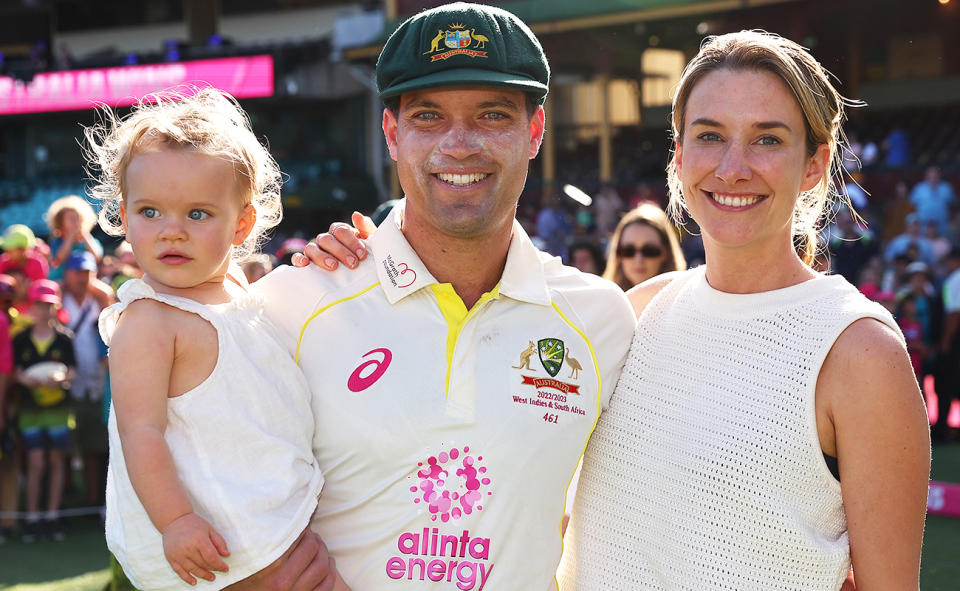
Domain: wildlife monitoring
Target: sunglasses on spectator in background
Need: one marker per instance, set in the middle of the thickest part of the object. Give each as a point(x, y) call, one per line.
point(649, 251)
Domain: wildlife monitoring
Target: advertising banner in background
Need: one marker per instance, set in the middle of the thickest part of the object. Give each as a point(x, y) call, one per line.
point(68, 90)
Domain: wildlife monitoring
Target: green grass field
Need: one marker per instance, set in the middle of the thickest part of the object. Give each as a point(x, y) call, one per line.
point(80, 563)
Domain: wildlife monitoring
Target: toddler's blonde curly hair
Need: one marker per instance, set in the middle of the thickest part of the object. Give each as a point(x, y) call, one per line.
point(203, 119)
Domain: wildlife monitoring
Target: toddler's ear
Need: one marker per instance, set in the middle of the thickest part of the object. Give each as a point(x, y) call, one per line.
point(123, 217)
point(245, 223)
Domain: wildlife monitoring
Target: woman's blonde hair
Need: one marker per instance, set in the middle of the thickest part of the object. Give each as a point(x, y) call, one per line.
point(646, 214)
point(206, 120)
point(54, 215)
point(820, 103)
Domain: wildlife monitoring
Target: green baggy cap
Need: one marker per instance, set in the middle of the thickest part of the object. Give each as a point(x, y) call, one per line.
point(463, 44)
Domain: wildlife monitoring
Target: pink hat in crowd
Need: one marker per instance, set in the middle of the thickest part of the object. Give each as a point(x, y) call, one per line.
point(44, 290)
point(291, 245)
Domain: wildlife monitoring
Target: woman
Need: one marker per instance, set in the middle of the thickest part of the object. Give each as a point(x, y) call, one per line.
point(751, 378)
point(643, 245)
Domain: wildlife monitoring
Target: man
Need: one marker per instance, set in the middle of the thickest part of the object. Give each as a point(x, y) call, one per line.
point(83, 303)
point(948, 376)
point(911, 237)
point(459, 371)
point(934, 199)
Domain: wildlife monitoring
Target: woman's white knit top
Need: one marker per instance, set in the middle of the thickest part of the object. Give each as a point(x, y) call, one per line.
point(706, 471)
point(242, 442)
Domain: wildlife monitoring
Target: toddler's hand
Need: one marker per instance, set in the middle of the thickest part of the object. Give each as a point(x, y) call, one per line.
point(193, 548)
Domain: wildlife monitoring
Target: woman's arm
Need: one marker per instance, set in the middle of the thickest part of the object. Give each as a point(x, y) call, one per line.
point(871, 416)
point(340, 244)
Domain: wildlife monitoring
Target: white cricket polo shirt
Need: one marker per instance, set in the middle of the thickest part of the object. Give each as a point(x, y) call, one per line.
point(448, 437)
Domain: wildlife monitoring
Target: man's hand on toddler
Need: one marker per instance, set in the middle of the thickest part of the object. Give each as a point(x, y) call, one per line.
point(193, 548)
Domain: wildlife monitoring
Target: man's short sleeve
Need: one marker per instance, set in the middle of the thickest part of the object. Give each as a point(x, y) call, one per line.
point(290, 295)
point(608, 321)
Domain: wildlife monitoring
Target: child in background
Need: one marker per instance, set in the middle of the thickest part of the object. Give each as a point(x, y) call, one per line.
point(70, 219)
point(44, 407)
point(19, 253)
point(211, 430)
point(912, 329)
point(8, 448)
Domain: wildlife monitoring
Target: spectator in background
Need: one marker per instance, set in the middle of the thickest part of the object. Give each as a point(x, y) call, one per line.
point(553, 227)
point(912, 331)
point(860, 155)
point(19, 254)
point(895, 212)
point(257, 266)
point(643, 194)
point(44, 408)
point(856, 194)
point(929, 310)
point(288, 248)
point(125, 267)
point(9, 466)
point(868, 281)
point(20, 305)
point(644, 245)
point(607, 206)
point(586, 256)
point(948, 371)
point(70, 219)
point(895, 273)
point(934, 199)
point(897, 147)
point(939, 243)
point(912, 238)
point(850, 246)
point(126, 258)
point(691, 242)
point(83, 306)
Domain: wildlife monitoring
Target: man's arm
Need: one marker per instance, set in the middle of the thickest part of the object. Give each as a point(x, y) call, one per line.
point(305, 566)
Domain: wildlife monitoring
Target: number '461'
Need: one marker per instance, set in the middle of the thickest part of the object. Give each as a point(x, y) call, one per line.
point(550, 418)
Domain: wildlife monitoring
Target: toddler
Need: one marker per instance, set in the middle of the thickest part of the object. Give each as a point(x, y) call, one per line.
point(212, 424)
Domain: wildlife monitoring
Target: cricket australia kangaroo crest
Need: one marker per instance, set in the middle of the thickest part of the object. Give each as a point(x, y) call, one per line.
point(457, 40)
point(552, 354)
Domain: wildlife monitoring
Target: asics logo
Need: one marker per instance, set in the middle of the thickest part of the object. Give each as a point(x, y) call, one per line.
point(368, 372)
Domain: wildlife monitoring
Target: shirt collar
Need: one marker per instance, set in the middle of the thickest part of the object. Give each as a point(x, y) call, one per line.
point(401, 272)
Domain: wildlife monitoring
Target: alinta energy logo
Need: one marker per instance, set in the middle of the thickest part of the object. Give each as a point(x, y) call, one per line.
point(451, 484)
point(457, 40)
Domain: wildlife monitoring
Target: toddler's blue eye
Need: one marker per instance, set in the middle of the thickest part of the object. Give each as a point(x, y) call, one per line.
point(198, 214)
point(149, 212)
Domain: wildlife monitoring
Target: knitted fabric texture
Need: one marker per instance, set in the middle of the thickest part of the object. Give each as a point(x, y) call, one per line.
point(706, 471)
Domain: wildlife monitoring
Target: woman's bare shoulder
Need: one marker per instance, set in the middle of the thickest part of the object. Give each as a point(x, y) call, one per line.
point(640, 295)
